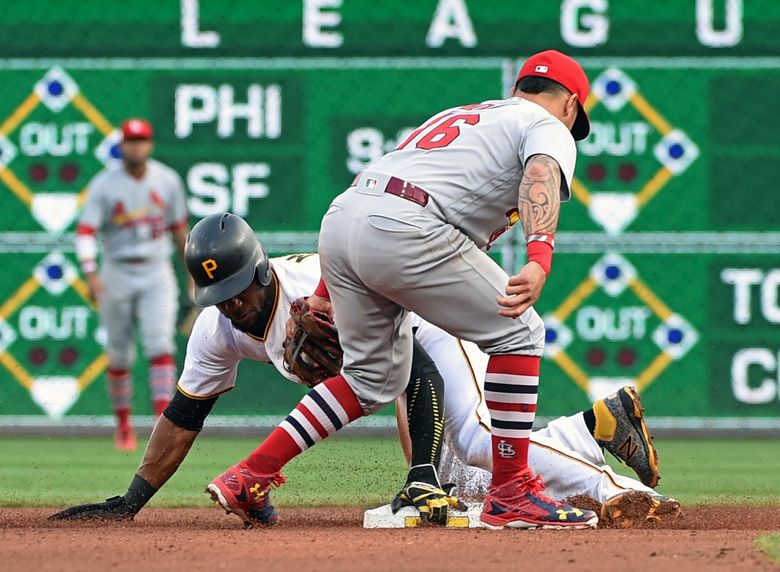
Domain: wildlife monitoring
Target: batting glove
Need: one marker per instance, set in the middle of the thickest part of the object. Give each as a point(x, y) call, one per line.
point(423, 491)
point(114, 508)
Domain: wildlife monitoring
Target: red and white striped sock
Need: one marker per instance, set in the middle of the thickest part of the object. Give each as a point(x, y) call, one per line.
point(120, 388)
point(162, 380)
point(323, 411)
point(511, 388)
point(122, 417)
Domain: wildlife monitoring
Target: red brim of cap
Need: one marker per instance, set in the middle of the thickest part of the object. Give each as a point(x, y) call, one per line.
point(581, 127)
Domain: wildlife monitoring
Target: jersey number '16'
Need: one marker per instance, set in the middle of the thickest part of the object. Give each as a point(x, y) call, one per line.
point(441, 132)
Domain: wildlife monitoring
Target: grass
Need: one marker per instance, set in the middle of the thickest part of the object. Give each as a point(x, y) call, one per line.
point(346, 471)
point(769, 544)
point(37, 471)
point(728, 471)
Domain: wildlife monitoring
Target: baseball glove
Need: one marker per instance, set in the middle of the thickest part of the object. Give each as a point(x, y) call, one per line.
point(311, 350)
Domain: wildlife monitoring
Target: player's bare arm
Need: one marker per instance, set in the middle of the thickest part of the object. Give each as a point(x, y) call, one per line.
point(96, 286)
point(539, 207)
point(539, 197)
point(167, 447)
point(169, 444)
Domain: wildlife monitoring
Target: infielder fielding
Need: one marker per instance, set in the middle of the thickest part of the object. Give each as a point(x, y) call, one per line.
point(253, 296)
point(407, 236)
point(134, 208)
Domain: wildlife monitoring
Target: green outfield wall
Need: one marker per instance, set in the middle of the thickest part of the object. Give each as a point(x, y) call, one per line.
point(667, 273)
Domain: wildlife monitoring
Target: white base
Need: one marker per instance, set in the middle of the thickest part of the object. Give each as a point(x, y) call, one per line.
point(409, 517)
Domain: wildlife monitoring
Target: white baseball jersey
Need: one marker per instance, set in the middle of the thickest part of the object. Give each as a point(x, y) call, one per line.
point(564, 453)
point(132, 215)
point(216, 347)
point(474, 161)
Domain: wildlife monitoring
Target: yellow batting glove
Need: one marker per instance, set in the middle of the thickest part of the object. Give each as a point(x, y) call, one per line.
point(432, 501)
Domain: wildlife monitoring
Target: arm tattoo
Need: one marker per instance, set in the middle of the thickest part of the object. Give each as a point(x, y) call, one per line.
point(539, 200)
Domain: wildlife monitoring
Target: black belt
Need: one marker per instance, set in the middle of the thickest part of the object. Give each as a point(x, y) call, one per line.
point(403, 189)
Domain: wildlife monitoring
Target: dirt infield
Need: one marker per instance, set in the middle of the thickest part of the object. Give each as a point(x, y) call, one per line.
point(332, 539)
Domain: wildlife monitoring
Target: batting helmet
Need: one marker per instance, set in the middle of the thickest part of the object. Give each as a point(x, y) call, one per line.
point(223, 256)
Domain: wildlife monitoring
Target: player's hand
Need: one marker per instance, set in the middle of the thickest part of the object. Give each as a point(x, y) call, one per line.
point(320, 304)
point(431, 499)
point(317, 304)
point(433, 502)
point(522, 291)
point(114, 508)
point(96, 287)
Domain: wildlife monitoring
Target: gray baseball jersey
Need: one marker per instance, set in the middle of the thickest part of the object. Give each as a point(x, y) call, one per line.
point(472, 175)
point(133, 216)
point(383, 255)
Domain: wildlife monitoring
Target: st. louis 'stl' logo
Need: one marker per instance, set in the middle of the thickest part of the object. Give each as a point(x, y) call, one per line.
point(506, 450)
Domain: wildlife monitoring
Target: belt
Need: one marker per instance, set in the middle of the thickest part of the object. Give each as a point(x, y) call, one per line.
point(133, 260)
point(403, 189)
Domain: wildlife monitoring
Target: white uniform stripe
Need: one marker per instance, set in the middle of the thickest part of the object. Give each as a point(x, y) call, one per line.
point(511, 433)
point(528, 398)
point(515, 416)
point(293, 432)
point(319, 414)
point(306, 424)
point(512, 379)
point(334, 403)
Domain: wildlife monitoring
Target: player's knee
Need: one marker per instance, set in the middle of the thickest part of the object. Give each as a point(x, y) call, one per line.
point(538, 333)
point(525, 337)
point(375, 391)
point(158, 346)
point(120, 358)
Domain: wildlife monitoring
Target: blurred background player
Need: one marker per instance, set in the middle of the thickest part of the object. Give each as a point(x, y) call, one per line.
point(136, 209)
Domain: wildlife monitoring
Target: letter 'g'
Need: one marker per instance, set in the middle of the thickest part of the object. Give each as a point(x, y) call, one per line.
point(209, 266)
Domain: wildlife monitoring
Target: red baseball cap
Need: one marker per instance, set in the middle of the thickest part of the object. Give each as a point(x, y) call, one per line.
point(562, 69)
point(136, 128)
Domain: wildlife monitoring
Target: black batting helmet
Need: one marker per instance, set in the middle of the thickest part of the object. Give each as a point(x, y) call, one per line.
point(223, 256)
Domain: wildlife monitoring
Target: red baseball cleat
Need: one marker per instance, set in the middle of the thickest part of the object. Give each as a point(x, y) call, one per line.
point(520, 504)
point(125, 439)
point(242, 492)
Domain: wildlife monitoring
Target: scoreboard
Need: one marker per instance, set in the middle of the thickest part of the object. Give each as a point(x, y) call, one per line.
point(666, 275)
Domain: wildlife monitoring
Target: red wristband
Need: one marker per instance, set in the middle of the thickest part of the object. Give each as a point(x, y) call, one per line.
point(541, 253)
point(321, 290)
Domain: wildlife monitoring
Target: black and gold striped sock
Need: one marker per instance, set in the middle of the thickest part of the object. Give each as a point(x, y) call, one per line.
point(425, 409)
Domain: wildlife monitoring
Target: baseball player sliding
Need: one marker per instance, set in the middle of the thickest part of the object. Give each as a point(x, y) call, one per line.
point(567, 453)
point(409, 236)
point(134, 208)
point(249, 298)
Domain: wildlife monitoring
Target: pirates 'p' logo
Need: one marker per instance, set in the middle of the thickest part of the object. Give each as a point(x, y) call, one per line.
point(209, 266)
